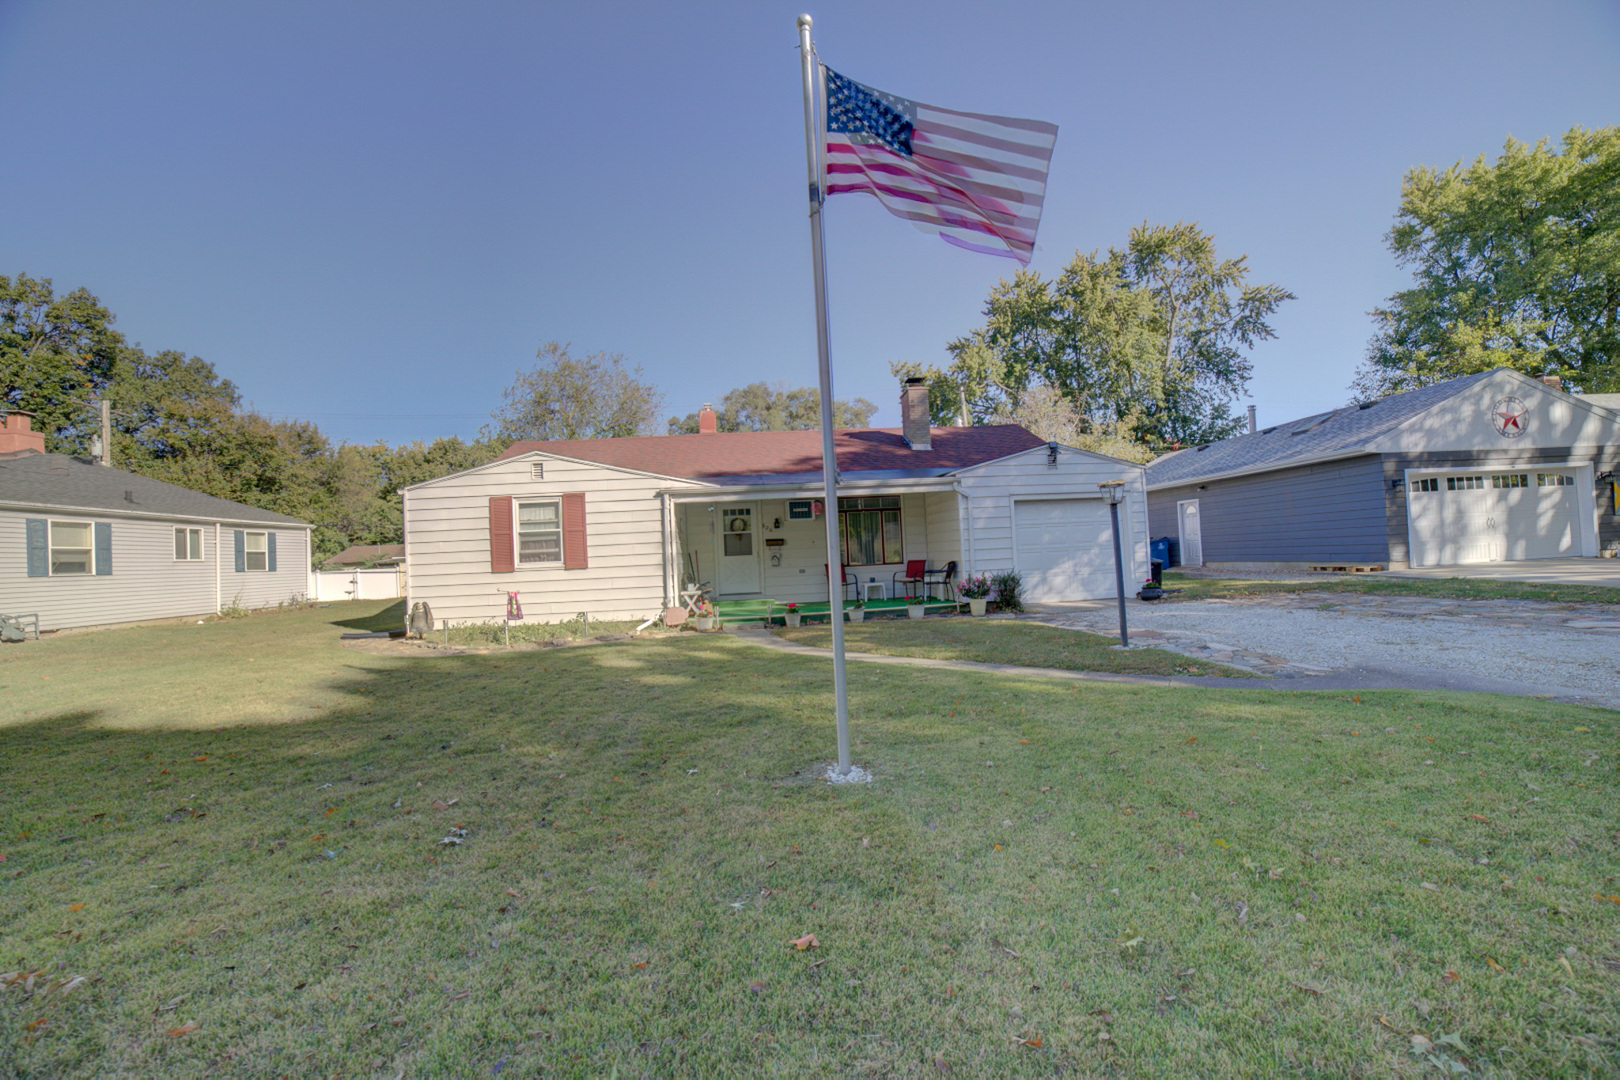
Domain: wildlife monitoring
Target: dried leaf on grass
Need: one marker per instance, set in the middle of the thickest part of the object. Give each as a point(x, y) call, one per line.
point(1498, 968)
point(440, 804)
point(807, 942)
point(184, 1029)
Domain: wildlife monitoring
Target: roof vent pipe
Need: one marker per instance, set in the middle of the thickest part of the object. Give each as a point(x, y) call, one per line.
point(708, 424)
point(914, 414)
point(1253, 423)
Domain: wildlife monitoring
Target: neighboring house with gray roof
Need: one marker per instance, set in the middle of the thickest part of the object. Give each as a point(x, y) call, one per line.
point(83, 544)
point(1489, 467)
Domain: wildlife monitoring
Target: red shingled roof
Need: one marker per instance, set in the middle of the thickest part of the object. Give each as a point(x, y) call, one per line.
point(765, 453)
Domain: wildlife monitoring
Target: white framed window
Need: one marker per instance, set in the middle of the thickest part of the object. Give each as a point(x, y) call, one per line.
point(1427, 483)
point(73, 549)
point(539, 531)
point(1465, 483)
point(256, 551)
point(1554, 479)
point(188, 545)
point(1510, 480)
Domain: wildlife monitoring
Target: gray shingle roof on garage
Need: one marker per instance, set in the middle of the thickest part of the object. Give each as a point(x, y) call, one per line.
point(1333, 434)
point(56, 480)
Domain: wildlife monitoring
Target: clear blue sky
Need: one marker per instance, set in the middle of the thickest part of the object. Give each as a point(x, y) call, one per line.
point(370, 215)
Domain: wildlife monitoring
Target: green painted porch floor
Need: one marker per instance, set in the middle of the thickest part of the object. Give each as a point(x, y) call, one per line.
point(748, 610)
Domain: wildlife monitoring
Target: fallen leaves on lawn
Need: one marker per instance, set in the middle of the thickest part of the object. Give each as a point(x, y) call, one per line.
point(757, 987)
point(513, 892)
point(1498, 968)
point(1034, 1044)
point(1611, 898)
point(1450, 977)
point(184, 1029)
point(1306, 989)
point(807, 942)
point(1479, 817)
point(440, 804)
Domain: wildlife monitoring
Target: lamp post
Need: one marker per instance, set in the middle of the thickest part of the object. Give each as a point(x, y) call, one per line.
point(1114, 492)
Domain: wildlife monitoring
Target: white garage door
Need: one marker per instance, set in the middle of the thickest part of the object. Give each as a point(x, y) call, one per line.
point(1479, 517)
point(1064, 549)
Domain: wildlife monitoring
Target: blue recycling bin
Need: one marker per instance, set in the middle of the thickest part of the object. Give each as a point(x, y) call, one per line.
point(1159, 550)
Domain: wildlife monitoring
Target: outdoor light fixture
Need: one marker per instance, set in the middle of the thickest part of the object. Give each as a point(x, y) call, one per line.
point(1114, 492)
point(1606, 476)
point(1397, 483)
point(1051, 453)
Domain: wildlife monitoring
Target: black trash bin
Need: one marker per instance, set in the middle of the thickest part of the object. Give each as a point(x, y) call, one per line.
point(1158, 572)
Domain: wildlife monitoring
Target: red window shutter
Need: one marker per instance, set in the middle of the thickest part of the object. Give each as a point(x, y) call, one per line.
point(573, 515)
point(501, 560)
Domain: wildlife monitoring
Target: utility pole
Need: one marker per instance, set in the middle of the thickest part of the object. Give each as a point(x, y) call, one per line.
point(106, 431)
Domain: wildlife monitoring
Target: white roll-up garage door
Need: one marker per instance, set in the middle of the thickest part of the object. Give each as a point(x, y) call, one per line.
point(1064, 548)
point(1474, 517)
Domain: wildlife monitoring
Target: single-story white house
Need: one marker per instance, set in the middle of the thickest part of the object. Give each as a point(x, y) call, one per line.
point(616, 527)
point(83, 544)
point(1490, 467)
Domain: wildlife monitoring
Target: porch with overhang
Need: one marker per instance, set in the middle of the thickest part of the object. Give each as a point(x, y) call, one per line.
point(758, 539)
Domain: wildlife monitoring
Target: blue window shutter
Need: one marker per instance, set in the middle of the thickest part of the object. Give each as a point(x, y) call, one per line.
point(270, 547)
point(103, 548)
point(39, 549)
point(241, 552)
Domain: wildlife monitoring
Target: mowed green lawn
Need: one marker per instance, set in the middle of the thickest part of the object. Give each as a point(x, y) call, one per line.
point(233, 832)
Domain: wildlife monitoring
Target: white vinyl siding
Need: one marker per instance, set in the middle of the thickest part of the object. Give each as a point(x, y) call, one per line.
point(148, 582)
point(447, 541)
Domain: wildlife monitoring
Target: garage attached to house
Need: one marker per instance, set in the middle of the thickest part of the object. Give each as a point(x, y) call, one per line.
point(1490, 467)
point(1474, 517)
point(1064, 548)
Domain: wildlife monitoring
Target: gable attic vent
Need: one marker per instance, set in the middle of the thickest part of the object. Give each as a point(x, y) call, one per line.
point(537, 470)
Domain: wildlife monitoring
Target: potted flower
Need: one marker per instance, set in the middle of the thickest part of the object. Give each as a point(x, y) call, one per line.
point(856, 612)
point(792, 615)
point(703, 615)
point(1151, 590)
point(976, 591)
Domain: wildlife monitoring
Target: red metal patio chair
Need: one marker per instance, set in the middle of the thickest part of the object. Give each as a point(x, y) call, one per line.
point(849, 578)
point(914, 574)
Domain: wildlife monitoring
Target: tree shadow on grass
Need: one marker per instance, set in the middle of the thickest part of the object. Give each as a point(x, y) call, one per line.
point(391, 617)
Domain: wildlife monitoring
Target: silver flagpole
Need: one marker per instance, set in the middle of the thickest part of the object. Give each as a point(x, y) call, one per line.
point(829, 453)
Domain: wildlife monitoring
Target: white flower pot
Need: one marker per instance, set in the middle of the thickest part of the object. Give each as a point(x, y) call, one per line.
point(855, 614)
point(792, 618)
point(703, 622)
point(978, 604)
point(915, 611)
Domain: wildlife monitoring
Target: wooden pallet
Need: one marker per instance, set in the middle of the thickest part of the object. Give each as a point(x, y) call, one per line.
point(1363, 568)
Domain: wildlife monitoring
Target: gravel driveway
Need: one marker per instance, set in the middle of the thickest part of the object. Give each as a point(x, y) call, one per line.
point(1565, 651)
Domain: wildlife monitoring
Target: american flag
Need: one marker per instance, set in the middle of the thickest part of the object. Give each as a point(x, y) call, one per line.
point(977, 180)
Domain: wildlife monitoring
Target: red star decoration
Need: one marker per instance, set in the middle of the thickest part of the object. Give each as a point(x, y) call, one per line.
point(1511, 420)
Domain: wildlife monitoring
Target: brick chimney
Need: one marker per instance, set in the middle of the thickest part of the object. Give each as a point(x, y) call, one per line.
point(16, 432)
point(914, 414)
point(1553, 381)
point(708, 424)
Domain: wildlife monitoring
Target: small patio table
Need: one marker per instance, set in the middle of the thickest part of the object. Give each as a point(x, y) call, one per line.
point(868, 586)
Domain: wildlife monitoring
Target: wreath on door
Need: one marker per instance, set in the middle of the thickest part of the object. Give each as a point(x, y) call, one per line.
point(739, 524)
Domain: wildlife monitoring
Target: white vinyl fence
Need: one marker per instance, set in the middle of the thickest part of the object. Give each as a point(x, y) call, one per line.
point(380, 583)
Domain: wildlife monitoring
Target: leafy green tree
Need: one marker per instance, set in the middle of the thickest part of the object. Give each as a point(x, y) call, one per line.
point(761, 407)
point(1515, 263)
point(1148, 344)
point(56, 355)
point(564, 397)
